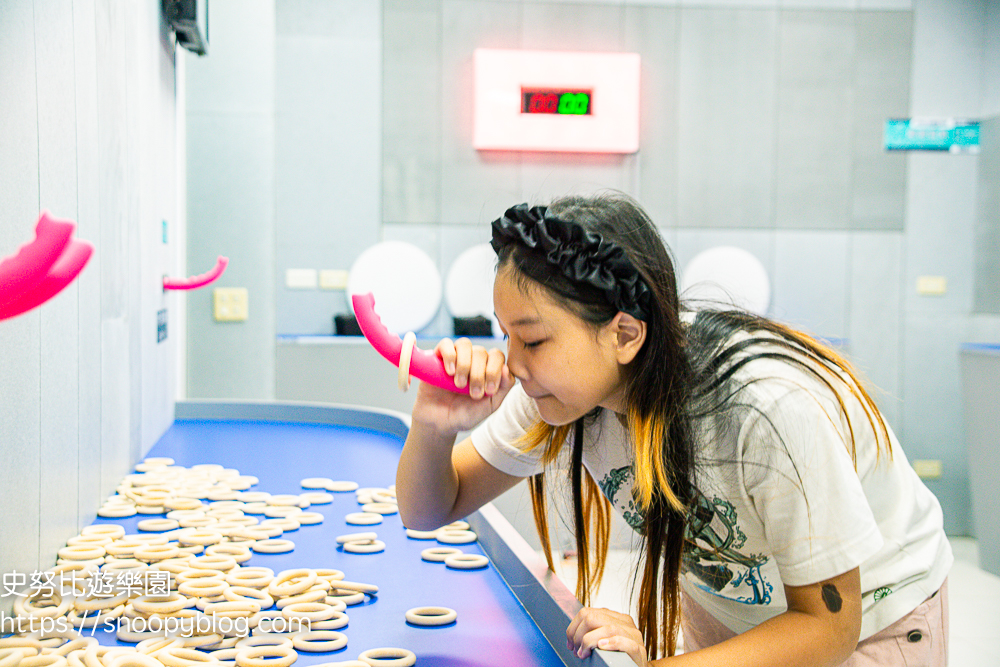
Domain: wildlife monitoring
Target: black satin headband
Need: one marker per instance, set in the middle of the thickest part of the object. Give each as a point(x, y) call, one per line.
point(583, 256)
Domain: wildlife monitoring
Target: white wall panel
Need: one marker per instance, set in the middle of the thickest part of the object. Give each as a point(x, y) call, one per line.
point(79, 130)
point(473, 183)
point(20, 360)
point(875, 316)
point(231, 200)
point(809, 285)
point(89, 282)
point(60, 335)
point(727, 104)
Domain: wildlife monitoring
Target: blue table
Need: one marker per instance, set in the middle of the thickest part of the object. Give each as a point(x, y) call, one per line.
point(512, 613)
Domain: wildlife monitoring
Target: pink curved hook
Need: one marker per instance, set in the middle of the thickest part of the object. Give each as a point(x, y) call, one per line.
point(424, 364)
point(34, 259)
point(42, 268)
point(194, 282)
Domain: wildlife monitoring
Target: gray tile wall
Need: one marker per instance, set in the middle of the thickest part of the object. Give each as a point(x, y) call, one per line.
point(761, 127)
point(946, 80)
point(231, 199)
point(87, 131)
point(328, 129)
point(987, 232)
point(761, 122)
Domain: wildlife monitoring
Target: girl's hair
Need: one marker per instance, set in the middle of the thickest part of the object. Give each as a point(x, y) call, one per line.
point(658, 382)
point(677, 377)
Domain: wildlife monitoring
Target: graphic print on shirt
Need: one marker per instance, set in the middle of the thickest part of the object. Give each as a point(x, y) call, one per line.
point(712, 555)
point(611, 484)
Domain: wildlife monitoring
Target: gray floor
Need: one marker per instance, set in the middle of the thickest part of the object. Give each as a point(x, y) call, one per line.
point(974, 600)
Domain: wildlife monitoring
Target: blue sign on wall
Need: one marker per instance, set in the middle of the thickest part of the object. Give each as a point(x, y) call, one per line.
point(947, 134)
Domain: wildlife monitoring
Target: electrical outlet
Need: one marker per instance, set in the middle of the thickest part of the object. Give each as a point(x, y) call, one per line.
point(300, 278)
point(932, 285)
point(928, 468)
point(230, 304)
point(333, 279)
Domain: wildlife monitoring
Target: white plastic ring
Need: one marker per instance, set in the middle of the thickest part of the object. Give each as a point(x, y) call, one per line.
point(82, 552)
point(292, 582)
point(405, 355)
point(266, 656)
point(336, 621)
point(317, 497)
point(264, 640)
point(314, 594)
point(429, 616)
point(315, 482)
point(238, 552)
point(311, 611)
point(348, 600)
point(273, 546)
point(341, 486)
point(356, 537)
point(380, 508)
point(158, 525)
point(438, 554)
point(363, 519)
point(421, 534)
point(252, 577)
point(451, 536)
point(342, 585)
point(247, 594)
point(112, 530)
point(284, 500)
point(365, 547)
point(319, 641)
point(116, 511)
point(383, 657)
point(466, 561)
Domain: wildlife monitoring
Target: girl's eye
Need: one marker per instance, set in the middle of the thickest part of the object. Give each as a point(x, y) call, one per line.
point(533, 344)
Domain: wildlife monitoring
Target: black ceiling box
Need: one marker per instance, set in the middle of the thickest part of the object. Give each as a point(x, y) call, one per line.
point(189, 19)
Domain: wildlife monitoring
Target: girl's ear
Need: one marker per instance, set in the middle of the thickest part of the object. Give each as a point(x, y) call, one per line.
point(630, 335)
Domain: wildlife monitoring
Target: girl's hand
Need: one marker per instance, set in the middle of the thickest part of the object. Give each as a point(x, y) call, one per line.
point(486, 374)
point(607, 630)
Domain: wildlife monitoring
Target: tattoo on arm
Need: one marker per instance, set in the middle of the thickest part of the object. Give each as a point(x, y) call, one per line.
point(831, 597)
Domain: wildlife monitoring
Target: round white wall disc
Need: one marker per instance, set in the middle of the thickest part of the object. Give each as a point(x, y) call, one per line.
point(468, 288)
point(724, 277)
point(405, 281)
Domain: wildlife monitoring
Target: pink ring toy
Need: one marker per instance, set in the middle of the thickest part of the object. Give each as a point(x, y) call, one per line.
point(194, 282)
point(424, 365)
point(41, 268)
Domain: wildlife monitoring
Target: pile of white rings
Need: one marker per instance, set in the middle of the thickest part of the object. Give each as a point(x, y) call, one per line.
point(216, 611)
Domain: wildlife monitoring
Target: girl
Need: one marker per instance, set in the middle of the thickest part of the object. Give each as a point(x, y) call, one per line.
point(780, 521)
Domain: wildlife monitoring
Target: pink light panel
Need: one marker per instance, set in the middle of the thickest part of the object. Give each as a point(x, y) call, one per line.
point(612, 79)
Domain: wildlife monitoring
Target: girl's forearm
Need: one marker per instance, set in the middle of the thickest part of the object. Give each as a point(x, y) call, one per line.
point(791, 639)
point(426, 480)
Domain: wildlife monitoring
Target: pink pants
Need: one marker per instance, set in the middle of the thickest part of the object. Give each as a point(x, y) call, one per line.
point(919, 639)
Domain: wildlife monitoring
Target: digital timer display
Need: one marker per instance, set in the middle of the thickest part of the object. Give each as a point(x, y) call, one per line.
point(563, 102)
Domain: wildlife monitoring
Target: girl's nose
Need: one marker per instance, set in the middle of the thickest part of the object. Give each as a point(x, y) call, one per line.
point(515, 364)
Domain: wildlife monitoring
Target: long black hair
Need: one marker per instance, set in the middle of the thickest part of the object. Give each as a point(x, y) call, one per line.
point(681, 375)
point(658, 383)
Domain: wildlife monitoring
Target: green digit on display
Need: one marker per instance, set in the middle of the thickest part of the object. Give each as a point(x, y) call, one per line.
point(565, 102)
point(574, 103)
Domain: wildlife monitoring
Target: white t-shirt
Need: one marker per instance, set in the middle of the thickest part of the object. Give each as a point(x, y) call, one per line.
point(779, 499)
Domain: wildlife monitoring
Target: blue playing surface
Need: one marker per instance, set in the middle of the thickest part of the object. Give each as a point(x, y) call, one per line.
point(492, 627)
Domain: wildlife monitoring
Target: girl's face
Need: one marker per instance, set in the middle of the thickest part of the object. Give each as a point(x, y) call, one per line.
point(566, 365)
